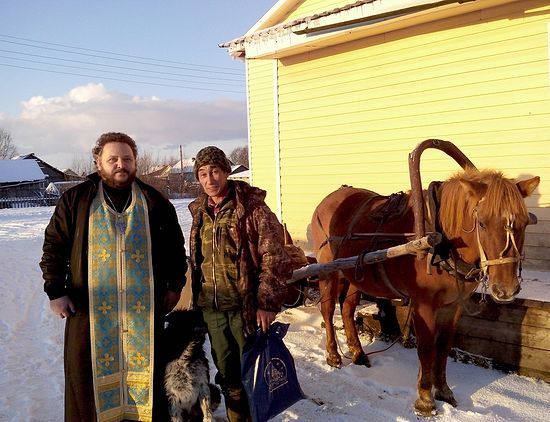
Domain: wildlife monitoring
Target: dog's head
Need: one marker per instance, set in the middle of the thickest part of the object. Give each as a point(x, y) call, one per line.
point(183, 327)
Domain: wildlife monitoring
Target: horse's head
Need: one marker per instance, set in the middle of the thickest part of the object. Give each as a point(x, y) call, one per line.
point(490, 218)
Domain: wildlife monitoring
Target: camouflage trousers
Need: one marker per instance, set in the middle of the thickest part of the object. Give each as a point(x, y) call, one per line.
point(225, 331)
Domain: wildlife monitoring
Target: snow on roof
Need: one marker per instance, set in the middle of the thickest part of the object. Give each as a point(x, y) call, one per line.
point(187, 165)
point(13, 171)
point(186, 169)
point(238, 168)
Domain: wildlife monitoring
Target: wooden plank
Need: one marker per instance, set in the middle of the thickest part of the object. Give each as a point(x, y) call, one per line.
point(526, 312)
point(527, 360)
point(502, 332)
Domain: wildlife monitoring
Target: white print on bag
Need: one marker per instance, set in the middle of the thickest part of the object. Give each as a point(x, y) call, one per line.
point(275, 374)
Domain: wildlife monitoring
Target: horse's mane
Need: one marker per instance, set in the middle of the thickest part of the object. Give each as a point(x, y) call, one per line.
point(500, 197)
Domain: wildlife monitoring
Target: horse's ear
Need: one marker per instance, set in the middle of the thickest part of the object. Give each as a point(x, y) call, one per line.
point(474, 189)
point(526, 187)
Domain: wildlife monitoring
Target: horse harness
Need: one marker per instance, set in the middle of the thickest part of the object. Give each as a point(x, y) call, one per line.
point(441, 255)
point(445, 258)
point(394, 207)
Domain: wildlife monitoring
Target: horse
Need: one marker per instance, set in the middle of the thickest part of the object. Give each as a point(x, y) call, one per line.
point(482, 218)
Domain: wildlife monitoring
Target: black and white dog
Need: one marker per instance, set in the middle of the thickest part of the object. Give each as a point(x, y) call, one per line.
point(191, 397)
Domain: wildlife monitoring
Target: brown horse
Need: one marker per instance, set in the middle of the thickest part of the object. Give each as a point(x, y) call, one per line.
point(482, 217)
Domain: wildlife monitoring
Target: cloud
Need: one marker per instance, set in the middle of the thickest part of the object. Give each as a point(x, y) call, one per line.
point(61, 129)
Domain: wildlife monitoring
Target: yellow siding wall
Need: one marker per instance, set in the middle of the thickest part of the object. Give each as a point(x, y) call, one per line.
point(351, 114)
point(261, 105)
point(311, 7)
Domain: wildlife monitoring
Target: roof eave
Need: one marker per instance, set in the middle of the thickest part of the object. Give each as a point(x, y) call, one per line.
point(350, 24)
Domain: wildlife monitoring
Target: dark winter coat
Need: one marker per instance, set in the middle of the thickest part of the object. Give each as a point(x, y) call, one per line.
point(64, 267)
point(263, 263)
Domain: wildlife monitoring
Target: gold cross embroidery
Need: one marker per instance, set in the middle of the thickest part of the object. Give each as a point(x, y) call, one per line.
point(138, 307)
point(104, 307)
point(107, 359)
point(138, 256)
point(104, 255)
point(138, 359)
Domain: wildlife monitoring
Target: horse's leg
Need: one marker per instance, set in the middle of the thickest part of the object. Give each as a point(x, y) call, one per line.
point(424, 326)
point(349, 299)
point(387, 317)
point(329, 291)
point(447, 320)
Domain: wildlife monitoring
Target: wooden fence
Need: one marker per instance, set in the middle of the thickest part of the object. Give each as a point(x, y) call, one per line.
point(28, 201)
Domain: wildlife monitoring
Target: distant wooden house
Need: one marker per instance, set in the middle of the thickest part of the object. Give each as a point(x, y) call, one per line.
point(183, 173)
point(173, 180)
point(22, 184)
point(71, 173)
point(178, 180)
point(27, 181)
point(159, 177)
point(239, 172)
point(53, 174)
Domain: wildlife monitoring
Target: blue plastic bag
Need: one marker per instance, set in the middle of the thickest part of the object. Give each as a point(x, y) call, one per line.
point(268, 373)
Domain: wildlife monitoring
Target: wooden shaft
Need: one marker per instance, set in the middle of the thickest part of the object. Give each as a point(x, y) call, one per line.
point(411, 247)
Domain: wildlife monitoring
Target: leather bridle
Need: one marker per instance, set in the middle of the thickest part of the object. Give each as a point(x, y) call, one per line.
point(485, 263)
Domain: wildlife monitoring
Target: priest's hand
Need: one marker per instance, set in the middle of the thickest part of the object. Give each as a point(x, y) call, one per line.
point(62, 306)
point(171, 299)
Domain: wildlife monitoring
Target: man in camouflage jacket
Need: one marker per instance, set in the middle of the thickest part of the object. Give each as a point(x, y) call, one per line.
point(239, 268)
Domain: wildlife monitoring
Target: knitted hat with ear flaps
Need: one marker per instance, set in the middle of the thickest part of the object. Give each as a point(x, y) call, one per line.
point(211, 156)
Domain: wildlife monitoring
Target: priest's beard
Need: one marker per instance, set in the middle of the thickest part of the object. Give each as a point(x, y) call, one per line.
point(113, 182)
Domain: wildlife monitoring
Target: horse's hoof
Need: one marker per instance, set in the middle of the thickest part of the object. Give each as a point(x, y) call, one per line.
point(362, 359)
point(425, 408)
point(446, 395)
point(335, 361)
point(409, 342)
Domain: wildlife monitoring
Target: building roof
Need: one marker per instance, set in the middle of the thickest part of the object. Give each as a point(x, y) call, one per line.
point(51, 172)
point(238, 168)
point(186, 164)
point(271, 37)
point(160, 171)
point(177, 169)
point(16, 171)
point(245, 174)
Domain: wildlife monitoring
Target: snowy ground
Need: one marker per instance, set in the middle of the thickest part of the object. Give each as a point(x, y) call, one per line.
point(31, 348)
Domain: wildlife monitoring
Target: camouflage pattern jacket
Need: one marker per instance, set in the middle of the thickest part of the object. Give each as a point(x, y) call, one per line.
point(262, 262)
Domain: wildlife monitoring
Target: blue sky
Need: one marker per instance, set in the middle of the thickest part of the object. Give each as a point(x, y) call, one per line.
point(66, 67)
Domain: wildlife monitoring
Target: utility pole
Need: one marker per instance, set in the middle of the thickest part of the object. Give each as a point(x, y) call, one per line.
point(181, 172)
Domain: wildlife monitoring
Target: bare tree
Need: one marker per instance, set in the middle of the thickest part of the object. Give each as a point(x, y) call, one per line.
point(83, 165)
point(7, 147)
point(239, 156)
point(147, 163)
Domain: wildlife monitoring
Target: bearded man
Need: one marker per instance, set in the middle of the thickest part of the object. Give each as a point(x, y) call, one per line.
point(114, 264)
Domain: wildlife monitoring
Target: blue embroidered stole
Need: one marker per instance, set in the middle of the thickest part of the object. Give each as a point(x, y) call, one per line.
point(120, 289)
